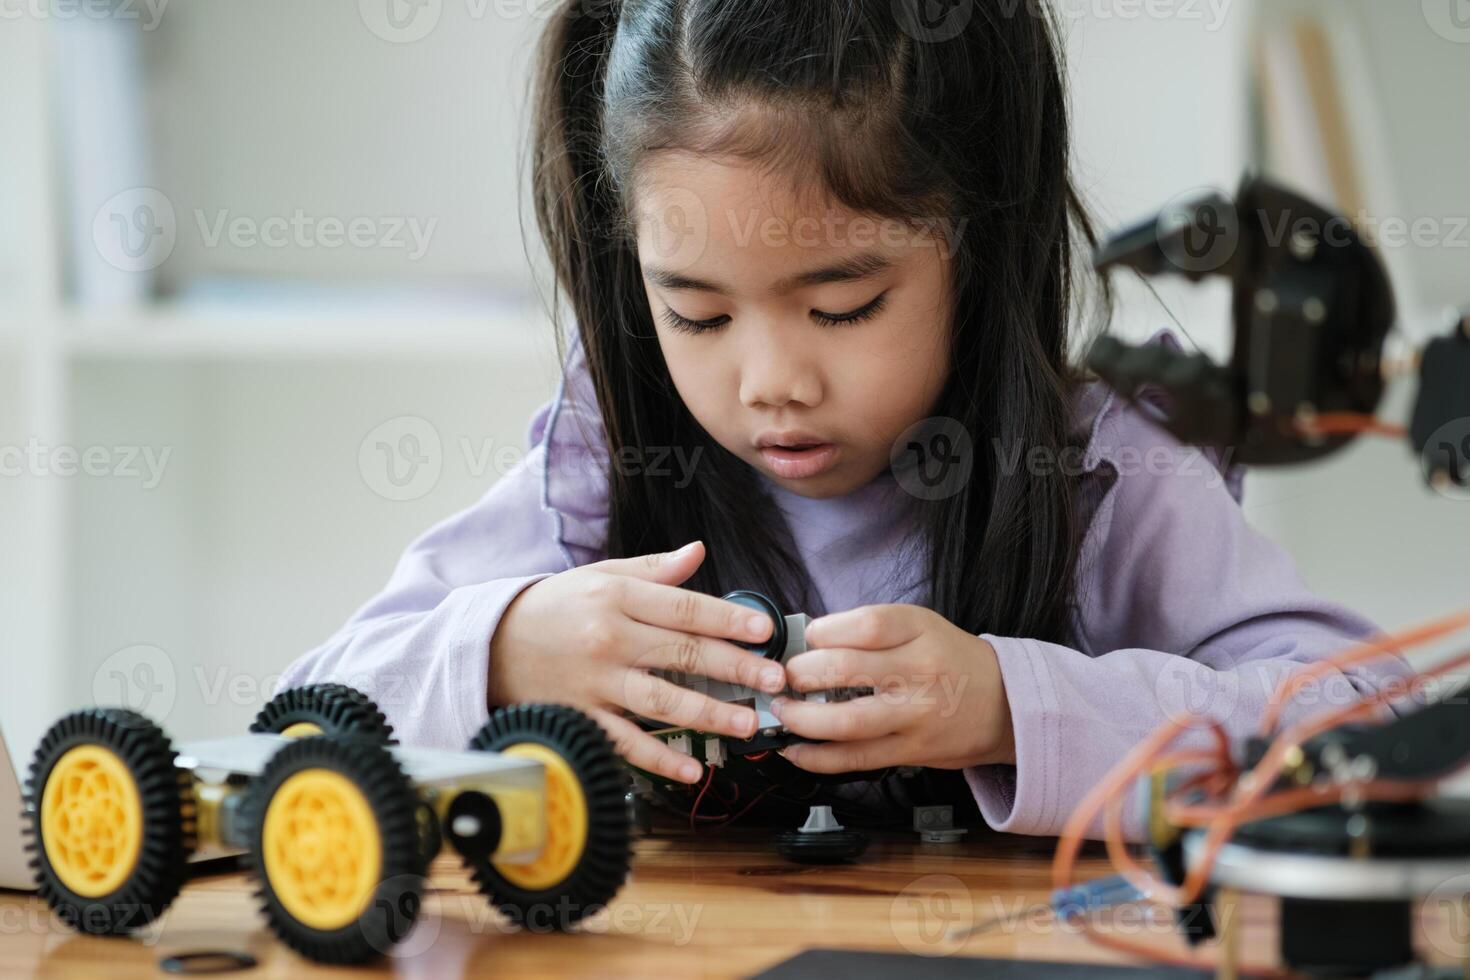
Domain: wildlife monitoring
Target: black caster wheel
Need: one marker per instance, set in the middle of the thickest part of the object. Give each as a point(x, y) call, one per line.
point(835, 848)
point(587, 853)
point(109, 820)
point(822, 840)
point(335, 843)
point(323, 709)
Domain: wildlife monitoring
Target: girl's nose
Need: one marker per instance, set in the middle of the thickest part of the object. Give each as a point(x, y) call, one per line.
point(773, 378)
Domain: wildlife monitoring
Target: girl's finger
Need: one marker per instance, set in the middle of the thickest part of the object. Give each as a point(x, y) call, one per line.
point(694, 612)
point(831, 757)
point(691, 656)
point(660, 700)
point(825, 669)
point(843, 721)
point(642, 750)
point(670, 567)
point(867, 627)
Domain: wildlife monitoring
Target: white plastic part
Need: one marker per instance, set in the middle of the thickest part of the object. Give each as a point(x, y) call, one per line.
point(820, 821)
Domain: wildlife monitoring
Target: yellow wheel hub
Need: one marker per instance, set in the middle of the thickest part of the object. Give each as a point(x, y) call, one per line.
point(566, 824)
point(91, 820)
point(322, 851)
point(302, 729)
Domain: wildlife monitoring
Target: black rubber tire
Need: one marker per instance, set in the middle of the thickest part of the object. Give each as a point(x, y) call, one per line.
point(603, 866)
point(389, 915)
point(334, 708)
point(167, 798)
point(833, 847)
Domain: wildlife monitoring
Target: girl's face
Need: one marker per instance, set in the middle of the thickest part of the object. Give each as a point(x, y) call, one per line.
point(803, 336)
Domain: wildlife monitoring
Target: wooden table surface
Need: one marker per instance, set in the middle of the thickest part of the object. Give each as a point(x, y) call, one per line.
point(716, 905)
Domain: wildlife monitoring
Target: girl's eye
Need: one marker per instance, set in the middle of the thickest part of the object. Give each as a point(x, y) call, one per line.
point(860, 315)
point(686, 325)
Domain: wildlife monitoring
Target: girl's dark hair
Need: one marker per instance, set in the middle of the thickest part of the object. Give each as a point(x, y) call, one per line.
point(897, 117)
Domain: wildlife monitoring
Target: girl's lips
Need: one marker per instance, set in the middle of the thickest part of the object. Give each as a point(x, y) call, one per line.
point(800, 464)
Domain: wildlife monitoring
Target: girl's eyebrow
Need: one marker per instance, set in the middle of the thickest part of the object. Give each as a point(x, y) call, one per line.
point(853, 269)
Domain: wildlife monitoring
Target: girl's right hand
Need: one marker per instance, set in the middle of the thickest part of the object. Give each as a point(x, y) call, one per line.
point(590, 636)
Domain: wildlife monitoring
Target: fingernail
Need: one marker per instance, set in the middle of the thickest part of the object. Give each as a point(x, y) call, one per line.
point(689, 771)
point(757, 626)
point(748, 724)
point(777, 704)
point(685, 550)
point(773, 679)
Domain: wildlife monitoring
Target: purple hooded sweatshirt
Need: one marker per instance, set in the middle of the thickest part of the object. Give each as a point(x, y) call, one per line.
point(1181, 605)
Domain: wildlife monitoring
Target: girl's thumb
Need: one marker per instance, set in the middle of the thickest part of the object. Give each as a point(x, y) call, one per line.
point(668, 568)
point(674, 567)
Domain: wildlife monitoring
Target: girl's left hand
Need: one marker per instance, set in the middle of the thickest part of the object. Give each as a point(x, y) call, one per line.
point(938, 697)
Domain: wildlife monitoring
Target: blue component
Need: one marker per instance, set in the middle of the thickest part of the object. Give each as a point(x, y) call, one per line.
point(1094, 896)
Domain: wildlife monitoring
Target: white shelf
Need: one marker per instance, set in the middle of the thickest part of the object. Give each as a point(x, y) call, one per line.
point(191, 336)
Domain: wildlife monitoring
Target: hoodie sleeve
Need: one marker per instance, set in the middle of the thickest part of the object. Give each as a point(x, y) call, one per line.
point(1182, 607)
point(420, 648)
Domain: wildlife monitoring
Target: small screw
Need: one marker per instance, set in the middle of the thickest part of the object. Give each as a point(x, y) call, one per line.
point(1314, 310)
point(1260, 403)
point(1267, 301)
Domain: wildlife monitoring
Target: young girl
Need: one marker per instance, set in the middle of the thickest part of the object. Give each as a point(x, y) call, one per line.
point(820, 256)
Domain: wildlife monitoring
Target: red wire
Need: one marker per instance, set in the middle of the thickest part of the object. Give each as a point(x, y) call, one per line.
point(693, 810)
point(749, 806)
